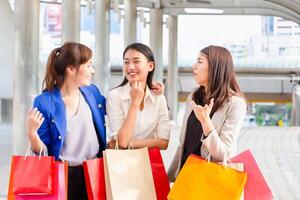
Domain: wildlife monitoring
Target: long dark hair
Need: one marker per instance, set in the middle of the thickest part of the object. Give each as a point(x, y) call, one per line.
point(69, 54)
point(221, 78)
point(147, 52)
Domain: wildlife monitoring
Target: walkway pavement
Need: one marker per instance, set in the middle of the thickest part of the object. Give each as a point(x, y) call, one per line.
point(277, 152)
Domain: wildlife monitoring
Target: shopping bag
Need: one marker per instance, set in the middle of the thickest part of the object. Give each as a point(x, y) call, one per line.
point(32, 174)
point(94, 179)
point(240, 167)
point(201, 179)
point(160, 177)
point(128, 175)
point(59, 186)
point(10, 194)
point(256, 186)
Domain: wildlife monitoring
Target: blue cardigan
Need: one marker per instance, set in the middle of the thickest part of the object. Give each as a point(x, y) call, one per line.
point(53, 130)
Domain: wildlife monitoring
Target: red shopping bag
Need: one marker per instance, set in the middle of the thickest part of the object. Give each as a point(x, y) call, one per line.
point(59, 186)
point(161, 181)
point(94, 179)
point(32, 174)
point(256, 186)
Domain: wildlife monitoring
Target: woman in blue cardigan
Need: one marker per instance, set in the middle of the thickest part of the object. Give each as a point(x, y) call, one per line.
point(67, 119)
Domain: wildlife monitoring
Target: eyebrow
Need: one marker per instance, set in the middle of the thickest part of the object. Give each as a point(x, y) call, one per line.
point(135, 58)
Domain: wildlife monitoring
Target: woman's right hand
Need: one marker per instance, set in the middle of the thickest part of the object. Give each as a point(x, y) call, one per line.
point(34, 121)
point(137, 93)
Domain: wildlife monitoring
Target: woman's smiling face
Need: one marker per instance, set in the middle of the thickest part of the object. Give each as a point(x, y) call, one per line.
point(136, 66)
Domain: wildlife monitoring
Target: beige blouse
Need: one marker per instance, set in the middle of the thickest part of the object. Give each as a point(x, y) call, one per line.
point(152, 122)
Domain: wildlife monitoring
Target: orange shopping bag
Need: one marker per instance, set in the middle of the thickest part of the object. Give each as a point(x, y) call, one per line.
point(201, 179)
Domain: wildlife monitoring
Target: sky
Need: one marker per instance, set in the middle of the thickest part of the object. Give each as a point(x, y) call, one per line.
point(220, 27)
point(205, 30)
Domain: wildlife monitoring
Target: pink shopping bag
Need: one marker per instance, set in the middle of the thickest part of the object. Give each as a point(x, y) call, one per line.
point(256, 186)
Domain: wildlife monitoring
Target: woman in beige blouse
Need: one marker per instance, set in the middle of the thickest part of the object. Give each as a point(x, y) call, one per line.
point(137, 116)
point(214, 113)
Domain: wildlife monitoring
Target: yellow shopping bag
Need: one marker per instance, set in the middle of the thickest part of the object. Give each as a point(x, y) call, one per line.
point(201, 179)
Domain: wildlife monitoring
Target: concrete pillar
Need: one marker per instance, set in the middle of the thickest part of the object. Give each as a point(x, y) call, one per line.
point(0, 110)
point(130, 22)
point(26, 59)
point(156, 37)
point(296, 105)
point(102, 64)
point(172, 67)
point(6, 54)
point(70, 21)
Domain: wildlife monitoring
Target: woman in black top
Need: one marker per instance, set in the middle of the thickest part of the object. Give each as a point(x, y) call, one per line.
point(215, 110)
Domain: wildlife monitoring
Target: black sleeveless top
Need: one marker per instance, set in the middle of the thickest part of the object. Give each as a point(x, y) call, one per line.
point(192, 142)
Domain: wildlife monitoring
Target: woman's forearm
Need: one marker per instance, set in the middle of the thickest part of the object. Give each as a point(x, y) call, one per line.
point(150, 143)
point(126, 131)
point(36, 144)
point(207, 126)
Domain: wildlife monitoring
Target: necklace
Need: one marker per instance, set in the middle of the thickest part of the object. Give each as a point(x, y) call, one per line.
point(77, 105)
point(72, 115)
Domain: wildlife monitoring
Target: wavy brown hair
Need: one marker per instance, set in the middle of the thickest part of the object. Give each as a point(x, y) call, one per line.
point(222, 82)
point(70, 54)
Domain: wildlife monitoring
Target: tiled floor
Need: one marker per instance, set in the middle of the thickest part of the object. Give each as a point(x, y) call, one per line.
point(277, 152)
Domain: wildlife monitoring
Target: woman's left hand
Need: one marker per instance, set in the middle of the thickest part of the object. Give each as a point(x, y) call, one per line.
point(158, 88)
point(202, 112)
